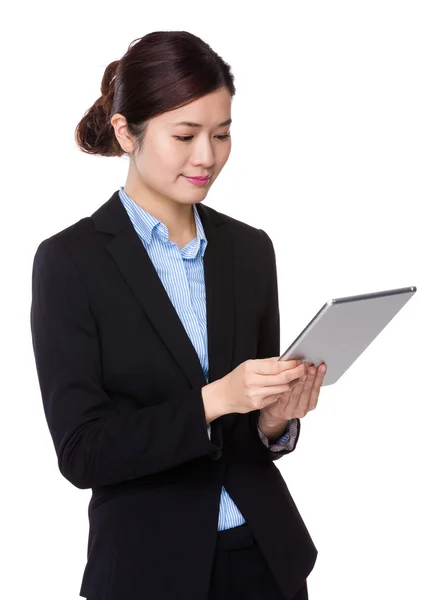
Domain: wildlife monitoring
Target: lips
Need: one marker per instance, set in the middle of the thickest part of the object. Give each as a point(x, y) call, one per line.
point(198, 178)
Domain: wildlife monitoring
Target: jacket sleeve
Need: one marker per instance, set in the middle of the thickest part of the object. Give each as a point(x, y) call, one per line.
point(98, 441)
point(285, 441)
point(268, 346)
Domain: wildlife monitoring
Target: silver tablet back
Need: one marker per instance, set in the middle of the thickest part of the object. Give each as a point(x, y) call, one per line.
point(344, 327)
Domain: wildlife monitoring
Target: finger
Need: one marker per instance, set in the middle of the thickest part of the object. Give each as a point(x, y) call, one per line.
point(286, 377)
point(305, 396)
point(315, 389)
point(267, 366)
point(296, 391)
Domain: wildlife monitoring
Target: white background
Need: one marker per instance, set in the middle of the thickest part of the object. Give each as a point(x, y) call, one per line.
point(336, 154)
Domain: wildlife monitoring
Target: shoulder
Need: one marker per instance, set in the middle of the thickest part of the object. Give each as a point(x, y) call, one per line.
point(77, 237)
point(239, 229)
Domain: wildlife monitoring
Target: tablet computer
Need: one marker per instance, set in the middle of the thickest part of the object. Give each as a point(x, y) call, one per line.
point(344, 327)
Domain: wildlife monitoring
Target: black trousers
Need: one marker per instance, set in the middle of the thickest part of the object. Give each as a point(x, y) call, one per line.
point(240, 571)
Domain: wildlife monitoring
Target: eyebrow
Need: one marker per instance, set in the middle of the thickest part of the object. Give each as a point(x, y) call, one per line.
point(191, 124)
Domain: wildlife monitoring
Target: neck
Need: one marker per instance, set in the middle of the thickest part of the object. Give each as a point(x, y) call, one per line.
point(178, 218)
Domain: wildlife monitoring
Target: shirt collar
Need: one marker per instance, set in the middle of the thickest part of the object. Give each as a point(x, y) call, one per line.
point(146, 225)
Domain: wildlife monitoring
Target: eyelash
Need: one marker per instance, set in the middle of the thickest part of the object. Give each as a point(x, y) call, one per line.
point(185, 138)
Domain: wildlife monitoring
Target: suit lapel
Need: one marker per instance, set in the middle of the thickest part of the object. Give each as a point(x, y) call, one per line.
point(137, 269)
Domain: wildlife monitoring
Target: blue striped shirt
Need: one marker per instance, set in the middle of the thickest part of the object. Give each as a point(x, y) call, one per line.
point(182, 274)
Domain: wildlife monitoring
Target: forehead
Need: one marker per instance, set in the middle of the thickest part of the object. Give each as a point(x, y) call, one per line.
point(199, 125)
point(212, 110)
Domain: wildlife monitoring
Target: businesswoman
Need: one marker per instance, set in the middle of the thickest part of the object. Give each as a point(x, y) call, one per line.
point(155, 328)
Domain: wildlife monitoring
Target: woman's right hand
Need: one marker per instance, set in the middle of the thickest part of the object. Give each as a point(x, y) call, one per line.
point(256, 383)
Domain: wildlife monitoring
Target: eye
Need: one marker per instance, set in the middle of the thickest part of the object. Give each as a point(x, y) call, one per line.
point(187, 138)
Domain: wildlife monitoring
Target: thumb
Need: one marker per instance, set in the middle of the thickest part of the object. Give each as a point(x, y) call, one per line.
point(287, 364)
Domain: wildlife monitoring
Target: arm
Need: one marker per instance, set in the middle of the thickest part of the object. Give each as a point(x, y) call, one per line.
point(285, 444)
point(268, 346)
point(99, 440)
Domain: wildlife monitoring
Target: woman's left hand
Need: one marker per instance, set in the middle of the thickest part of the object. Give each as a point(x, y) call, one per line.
point(297, 402)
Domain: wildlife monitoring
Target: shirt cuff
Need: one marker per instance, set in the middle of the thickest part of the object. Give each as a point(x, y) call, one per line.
point(286, 441)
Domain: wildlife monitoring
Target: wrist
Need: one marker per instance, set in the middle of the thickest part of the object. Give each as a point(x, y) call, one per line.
point(213, 401)
point(273, 429)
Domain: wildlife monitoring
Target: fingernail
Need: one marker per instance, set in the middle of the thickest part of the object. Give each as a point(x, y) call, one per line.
point(323, 369)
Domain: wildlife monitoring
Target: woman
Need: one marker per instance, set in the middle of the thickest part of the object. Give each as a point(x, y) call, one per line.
point(155, 327)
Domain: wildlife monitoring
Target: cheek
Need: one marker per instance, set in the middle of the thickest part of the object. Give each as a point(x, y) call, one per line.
point(168, 164)
point(174, 156)
point(223, 156)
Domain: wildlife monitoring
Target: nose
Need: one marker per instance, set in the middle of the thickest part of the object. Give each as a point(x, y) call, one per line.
point(204, 154)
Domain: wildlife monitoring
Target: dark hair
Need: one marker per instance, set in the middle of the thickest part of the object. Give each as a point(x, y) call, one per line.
point(160, 71)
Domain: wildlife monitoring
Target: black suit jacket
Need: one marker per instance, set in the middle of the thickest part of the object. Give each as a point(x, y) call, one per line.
point(121, 387)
